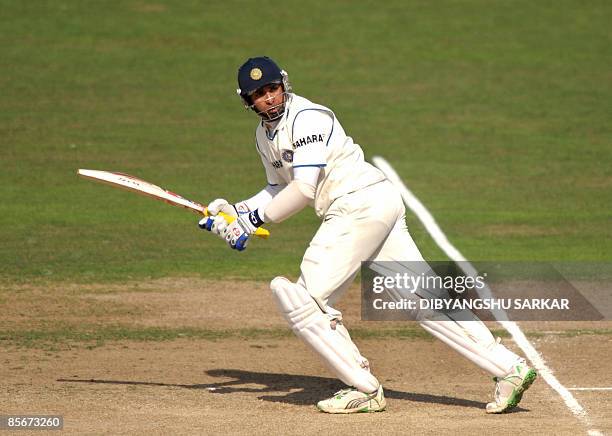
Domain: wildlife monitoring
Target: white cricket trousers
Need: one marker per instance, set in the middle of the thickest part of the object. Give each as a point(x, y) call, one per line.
point(369, 224)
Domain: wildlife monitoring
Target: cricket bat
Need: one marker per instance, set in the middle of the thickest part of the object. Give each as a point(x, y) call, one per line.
point(139, 186)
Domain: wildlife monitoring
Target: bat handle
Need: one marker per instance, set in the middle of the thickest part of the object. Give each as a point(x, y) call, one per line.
point(260, 232)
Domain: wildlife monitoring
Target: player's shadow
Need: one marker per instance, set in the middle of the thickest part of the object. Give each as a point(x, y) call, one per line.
point(299, 389)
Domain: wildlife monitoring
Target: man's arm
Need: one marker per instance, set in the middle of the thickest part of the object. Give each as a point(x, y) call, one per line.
point(259, 200)
point(293, 198)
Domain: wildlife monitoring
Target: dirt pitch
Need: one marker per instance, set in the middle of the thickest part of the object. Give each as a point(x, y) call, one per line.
point(252, 377)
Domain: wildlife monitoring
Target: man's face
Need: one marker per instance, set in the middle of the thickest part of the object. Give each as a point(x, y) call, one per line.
point(269, 100)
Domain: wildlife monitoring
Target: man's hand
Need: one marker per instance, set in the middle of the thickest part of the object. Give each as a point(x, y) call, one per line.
point(221, 205)
point(237, 234)
point(214, 222)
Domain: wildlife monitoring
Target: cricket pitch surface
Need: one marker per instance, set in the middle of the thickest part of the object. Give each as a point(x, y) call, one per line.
point(190, 356)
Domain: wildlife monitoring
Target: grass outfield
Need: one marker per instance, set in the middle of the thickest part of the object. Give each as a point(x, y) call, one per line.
point(496, 114)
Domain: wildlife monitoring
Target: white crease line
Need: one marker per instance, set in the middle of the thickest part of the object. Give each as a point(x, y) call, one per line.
point(517, 334)
point(589, 389)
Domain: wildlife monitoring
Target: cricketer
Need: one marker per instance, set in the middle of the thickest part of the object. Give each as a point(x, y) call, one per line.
point(309, 160)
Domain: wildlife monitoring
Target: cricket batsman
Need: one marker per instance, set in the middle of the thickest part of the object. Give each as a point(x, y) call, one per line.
point(309, 160)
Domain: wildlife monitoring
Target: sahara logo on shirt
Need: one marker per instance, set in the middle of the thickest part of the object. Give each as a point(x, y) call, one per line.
point(309, 140)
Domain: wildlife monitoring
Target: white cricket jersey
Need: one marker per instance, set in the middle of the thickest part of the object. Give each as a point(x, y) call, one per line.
point(309, 134)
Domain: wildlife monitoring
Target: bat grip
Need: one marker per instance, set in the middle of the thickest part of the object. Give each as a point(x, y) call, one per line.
point(260, 232)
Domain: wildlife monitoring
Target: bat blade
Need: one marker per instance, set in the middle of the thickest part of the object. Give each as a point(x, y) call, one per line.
point(142, 187)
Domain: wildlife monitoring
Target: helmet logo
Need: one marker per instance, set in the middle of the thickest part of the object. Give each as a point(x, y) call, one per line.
point(256, 74)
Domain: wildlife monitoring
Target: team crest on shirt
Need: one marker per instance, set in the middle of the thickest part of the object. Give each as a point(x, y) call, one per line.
point(288, 155)
point(309, 140)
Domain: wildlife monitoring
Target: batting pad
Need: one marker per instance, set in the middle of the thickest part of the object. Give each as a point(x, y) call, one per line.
point(474, 341)
point(314, 327)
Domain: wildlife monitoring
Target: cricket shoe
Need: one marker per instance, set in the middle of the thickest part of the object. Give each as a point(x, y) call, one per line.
point(509, 389)
point(353, 401)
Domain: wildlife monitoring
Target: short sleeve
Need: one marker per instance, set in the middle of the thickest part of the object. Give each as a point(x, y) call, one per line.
point(311, 131)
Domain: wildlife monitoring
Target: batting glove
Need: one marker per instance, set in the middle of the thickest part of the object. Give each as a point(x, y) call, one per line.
point(221, 205)
point(215, 224)
point(237, 234)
